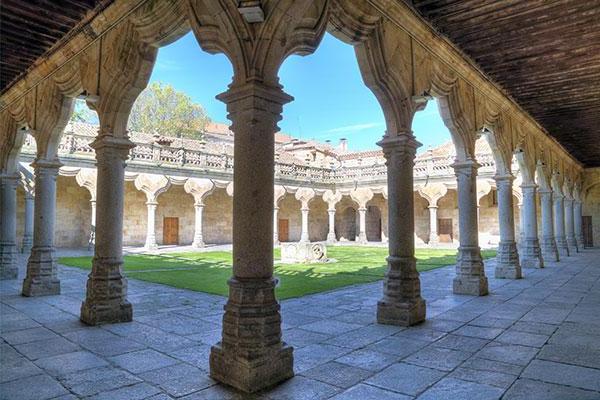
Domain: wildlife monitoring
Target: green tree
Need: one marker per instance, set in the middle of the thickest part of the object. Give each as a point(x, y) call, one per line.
point(162, 109)
point(81, 113)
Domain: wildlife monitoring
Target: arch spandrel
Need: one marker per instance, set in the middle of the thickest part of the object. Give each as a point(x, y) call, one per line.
point(352, 21)
point(161, 22)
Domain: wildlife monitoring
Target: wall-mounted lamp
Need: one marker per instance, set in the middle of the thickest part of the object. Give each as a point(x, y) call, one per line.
point(251, 11)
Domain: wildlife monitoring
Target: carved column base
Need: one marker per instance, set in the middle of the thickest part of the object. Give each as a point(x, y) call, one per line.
point(572, 243)
point(470, 274)
point(106, 297)
point(251, 355)
point(562, 246)
point(402, 303)
point(41, 279)
point(531, 255)
point(580, 244)
point(549, 249)
point(362, 238)
point(331, 238)
point(198, 244)
point(151, 247)
point(8, 261)
point(26, 244)
point(507, 261)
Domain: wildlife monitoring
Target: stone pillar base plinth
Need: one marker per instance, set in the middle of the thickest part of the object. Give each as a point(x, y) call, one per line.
point(99, 314)
point(507, 261)
point(402, 314)
point(41, 279)
point(472, 285)
point(331, 238)
point(251, 355)
point(531, 254)
point(562, 247)
point(251, 375)
point(572, 243)
point(8, 262)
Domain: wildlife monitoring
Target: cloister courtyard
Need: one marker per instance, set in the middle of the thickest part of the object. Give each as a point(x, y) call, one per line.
point(299, 199)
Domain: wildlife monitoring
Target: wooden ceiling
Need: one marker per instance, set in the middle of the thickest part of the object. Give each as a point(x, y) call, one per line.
point(544, 53)
point(30, 28)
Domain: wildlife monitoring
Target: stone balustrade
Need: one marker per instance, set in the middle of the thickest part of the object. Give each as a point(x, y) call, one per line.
point(73, 145)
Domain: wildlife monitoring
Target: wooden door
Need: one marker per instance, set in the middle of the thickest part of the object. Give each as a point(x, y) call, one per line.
point(445, 230)
point(171, 230)
point(284, 230)
point(588, 237)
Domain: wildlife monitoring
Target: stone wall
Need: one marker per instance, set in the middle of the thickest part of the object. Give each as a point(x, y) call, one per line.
point(135, 218)
point(318, 220)
point(73, 213)
point(448, 208)
point(421, 217)
point(346, 219)
point(289, 209)
point(218, 218)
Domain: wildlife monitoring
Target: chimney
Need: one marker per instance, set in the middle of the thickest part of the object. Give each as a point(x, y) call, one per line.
point(343, 146)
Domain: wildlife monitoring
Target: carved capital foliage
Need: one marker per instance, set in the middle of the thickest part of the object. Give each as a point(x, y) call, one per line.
point(116, 69)
point(457, 110)
point(499, 131)
point(362, 196)
point(332, 198)
point(304, 195)
point(10, 145)
point(86, 177)
point(199, 188)
point(278, 193)
point(557, 184)
point(433, 192)
point(161, 22)
point(256, 50)
point(51, 112)
point(152, 185)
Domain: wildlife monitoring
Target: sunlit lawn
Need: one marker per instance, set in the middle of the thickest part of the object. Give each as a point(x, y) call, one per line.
point(208, 271)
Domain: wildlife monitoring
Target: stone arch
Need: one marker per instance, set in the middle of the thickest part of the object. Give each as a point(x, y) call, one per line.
point(289, 210)
point(175, 202)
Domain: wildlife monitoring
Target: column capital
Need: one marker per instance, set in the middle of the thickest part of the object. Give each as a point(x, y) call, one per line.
point(152, 203)
point(504, 179)
point(528, 187)
point(403, 141)
point(465, 167)
point(41, 164)
point(433, 207)
point(10, 179)
point(251, 91)
point(108, 144)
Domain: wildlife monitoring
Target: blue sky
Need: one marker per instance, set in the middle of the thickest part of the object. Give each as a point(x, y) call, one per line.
point(331, 100)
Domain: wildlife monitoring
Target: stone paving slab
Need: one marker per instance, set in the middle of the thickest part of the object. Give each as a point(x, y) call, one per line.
point(534, 338)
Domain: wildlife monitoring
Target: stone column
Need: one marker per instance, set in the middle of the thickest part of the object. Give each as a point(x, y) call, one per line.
point(198, 241)
point(548, 243)
point(401, 303)
point(578, 223)
point(304, 233)
point(507, 259)
point(276, 225)
point(331, 234)
point(106, 295)
point(8, 226)
point(531, 255)
point(151, 226)
point(251, 354)
point(28, 224)
point(470, 274)
point(42, 278)
point(559, 225)
point(362, 225)
point(92, 238)
point(570, 226)
point(433, 233)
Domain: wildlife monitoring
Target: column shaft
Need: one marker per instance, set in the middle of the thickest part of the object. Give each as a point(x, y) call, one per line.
point(251, 354)
point(304, 233)
point(106, 295)
point(151, 227)
point(401, 303)
point(470, 274)
point(578, 223)
point(559, 225)
point(507, 259)
point(27, 242)
point(42, 278)
point(331, 234)
point(198, 235)
point(362, 225)
point(8, 226)
point(433, 233)
point(92, 238)
point(548, 243)
point(531, 255)
point(570, 226)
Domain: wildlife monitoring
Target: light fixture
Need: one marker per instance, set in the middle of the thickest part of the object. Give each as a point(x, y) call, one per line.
point(251, 11)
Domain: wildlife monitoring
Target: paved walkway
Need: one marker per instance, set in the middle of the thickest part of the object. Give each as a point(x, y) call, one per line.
point(535, 338)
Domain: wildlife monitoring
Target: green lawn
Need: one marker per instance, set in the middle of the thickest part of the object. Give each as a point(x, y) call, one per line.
point(208, 271)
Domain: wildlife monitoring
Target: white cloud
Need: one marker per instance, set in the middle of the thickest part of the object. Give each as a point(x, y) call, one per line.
point(353, 128)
